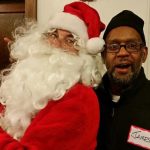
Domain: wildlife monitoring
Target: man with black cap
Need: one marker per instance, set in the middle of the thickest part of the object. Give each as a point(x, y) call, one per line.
point(124, 93)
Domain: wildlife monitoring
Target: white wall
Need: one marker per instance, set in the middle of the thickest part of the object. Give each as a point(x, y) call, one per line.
point(107, 9)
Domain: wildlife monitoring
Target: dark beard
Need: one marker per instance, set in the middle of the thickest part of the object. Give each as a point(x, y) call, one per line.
point(117, 85)
point(125, 80)
point(121, 82)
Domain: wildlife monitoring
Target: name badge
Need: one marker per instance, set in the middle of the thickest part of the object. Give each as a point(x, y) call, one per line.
point(139, 137)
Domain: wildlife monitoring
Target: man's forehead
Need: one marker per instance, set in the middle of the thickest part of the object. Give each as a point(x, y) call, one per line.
point(120, 33)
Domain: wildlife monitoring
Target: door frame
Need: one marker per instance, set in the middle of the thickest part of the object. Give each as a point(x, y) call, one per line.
point(31, 9)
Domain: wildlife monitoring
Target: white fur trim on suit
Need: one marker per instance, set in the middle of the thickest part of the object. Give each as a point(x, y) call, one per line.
point(71, 23)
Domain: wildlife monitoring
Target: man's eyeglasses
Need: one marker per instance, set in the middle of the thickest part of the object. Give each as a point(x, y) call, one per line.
point(129, 46)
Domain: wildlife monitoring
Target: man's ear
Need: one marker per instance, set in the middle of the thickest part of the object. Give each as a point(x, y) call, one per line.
point(145, 53)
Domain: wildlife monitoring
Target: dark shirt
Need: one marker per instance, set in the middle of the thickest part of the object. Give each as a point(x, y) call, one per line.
point(132, 110)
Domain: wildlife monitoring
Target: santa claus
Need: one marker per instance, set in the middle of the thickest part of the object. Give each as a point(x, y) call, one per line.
point(47, 96)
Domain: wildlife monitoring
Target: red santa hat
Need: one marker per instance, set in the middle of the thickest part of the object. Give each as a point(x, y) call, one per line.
point(82, 20)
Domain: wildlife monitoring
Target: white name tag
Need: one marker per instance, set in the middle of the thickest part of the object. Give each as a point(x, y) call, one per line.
point(139, 136)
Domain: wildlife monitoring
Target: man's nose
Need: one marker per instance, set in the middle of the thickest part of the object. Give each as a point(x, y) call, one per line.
point(123, 51)
point(59, 43)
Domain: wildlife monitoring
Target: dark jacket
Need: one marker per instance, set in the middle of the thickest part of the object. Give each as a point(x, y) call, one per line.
point(132, 110)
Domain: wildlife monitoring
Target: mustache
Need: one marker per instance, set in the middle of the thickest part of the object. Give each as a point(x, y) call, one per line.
point(123, 61)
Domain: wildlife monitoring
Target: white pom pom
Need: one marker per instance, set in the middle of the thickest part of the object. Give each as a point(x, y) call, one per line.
point(95, 45)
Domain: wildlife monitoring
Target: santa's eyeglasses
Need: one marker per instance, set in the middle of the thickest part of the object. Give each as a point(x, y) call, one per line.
point(53, 36)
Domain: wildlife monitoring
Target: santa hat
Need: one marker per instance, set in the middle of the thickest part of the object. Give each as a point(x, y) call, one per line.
point(82, 20)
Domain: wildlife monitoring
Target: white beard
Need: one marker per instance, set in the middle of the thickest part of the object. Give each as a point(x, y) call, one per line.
point(39, 78)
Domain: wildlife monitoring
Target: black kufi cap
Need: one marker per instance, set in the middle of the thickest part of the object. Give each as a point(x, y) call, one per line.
point(126, 18)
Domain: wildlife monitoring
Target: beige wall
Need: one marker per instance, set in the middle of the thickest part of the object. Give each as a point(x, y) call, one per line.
point(107, 9)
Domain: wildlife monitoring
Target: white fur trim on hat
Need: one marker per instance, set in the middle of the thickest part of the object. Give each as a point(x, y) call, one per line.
point(71, 23)
point(95, 45)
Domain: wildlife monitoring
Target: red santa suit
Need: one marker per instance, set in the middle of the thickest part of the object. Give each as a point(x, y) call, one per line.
point(68, 124)
point(72, 122)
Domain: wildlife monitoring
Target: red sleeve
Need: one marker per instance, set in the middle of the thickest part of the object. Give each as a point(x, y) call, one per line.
point(68, 124)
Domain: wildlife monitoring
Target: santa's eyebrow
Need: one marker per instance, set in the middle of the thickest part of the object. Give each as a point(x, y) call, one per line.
point(70, 35)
